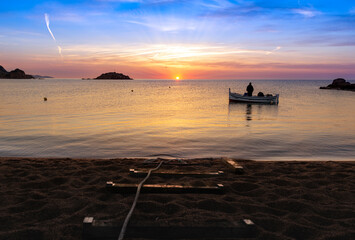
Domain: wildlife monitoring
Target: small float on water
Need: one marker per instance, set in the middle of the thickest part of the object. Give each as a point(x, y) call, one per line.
point(268, 99)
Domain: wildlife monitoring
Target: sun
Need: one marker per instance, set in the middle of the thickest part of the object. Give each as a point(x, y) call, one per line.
point(177, 78)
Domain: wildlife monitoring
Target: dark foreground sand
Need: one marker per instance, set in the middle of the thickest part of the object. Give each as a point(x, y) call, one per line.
point(48, 198)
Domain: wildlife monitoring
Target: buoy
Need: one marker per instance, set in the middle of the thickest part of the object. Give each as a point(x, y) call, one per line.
point(45, 99)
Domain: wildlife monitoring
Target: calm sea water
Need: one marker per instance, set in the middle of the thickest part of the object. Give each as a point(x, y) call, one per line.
point(179, 119)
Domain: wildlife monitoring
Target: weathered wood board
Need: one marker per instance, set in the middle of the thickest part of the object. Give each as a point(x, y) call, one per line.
point(237, 168)
point(140, 173)
point(163, 188)
point(104, 230)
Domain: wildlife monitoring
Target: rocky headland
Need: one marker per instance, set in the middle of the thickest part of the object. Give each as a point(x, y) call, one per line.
point(340, 84)
point(14, 74)
point(114, 76)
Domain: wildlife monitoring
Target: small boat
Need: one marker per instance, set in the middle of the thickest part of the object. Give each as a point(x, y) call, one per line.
point(268, 99)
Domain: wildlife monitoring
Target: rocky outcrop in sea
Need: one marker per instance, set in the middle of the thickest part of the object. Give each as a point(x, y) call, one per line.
point(114, 75)
point(340, 84)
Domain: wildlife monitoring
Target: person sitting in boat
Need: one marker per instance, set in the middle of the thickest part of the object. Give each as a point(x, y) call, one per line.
point(250, 89)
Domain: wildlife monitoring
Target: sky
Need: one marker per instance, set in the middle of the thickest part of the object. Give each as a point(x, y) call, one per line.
point(163, 39)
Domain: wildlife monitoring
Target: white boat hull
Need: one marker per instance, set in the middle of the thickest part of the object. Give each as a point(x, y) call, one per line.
point(236, 97)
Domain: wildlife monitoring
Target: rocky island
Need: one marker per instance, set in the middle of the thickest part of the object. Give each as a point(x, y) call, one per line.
point(14, 74)
point(340, 84)
point(114, 75)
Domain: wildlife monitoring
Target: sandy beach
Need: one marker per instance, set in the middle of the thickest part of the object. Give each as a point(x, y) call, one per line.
point(49, 198)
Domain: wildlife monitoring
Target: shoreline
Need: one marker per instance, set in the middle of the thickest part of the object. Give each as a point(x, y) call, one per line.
point(264, 160)
point(48, 198)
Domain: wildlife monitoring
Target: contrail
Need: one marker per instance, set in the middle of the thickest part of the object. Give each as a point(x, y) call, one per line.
point(46, 18)
point(47, 22)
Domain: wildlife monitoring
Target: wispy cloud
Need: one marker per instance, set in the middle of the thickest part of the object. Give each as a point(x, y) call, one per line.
point(163, 54)
point(252, 9)
point(326, 40)
point(216, 4)
point(165, 24)
point(9, 31)
point(273, 50)
point(267, 28)
point(74, 17)
point(306, 12)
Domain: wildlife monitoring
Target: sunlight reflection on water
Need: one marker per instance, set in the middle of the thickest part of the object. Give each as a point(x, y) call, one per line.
point(174, 119)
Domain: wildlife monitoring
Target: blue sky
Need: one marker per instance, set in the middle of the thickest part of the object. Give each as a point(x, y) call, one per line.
point(193, 39)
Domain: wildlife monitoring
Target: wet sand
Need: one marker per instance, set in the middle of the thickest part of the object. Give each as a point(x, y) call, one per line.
point(49, 198)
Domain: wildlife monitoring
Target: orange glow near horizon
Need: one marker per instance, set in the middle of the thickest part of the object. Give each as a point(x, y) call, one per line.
point(195, 61)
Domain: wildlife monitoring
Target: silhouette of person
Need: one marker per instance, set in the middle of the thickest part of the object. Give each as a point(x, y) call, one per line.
point(250, 89)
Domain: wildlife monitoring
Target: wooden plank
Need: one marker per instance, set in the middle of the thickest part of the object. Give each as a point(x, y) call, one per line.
point(139, 173)
point(163, 188)
point(208, 164)
point(234, 165)
point(180, 162)
point(106, 230)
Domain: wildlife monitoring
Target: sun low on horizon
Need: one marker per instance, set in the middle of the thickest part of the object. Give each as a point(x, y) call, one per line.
point(205, 39)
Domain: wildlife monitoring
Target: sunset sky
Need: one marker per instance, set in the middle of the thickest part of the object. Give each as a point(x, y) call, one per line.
point(162, 39)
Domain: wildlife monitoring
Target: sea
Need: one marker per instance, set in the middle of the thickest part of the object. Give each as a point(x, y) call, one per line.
point(174, 119)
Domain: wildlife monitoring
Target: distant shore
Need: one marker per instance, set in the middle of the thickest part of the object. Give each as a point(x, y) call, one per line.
point(48, 198)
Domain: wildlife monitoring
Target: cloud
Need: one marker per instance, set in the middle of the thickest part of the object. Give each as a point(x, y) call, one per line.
point(343, 43)
point(279, 65)
point(10, 31)
point(237, 11)
point(162, 54)
point(59, 50)
point(268, 28)
point(75, 17)
point(306, 12)
point(216, 4)
point(327, 40)
point(274, 50)
point(253, 9)
point(168, 24)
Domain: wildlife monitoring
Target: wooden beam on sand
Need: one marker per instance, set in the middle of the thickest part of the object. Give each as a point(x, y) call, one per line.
point(179, 163)
point(234, 165)
point(105, 230)
point(140, 173)
point(163, 188)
